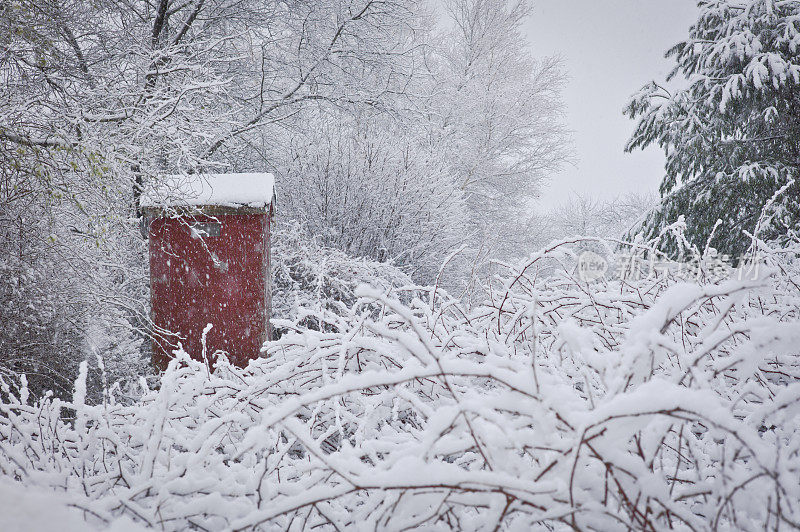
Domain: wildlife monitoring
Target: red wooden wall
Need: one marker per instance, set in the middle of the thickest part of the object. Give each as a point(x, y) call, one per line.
point(190, 289)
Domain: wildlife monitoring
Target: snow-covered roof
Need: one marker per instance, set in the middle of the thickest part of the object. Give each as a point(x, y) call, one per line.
point(225, 190)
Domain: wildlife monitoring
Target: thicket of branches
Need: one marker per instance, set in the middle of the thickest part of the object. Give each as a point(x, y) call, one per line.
point(645, 402)
point(309, 277)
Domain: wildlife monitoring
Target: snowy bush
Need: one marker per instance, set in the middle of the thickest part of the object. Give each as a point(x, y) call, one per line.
point(41, 321)
point(368, 187)
point(309, 277)
point(622, 403)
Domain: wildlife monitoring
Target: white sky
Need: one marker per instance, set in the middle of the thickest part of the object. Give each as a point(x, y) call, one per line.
point(610, 48)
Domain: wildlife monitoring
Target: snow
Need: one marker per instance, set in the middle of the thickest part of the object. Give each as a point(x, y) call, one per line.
point(194, 190)
point(25, 509)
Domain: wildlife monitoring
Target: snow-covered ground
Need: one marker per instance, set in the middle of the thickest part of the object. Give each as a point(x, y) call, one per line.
point(28, 509)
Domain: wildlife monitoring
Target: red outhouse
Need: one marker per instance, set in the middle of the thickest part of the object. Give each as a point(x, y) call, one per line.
point(209, 241)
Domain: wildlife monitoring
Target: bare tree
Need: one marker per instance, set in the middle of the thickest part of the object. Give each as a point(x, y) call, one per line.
point(499, 115)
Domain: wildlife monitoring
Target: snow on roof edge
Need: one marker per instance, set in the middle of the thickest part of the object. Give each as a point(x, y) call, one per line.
point(234, 190)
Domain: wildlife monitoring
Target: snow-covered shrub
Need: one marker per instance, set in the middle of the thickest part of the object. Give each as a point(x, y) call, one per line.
point(374, 188)
point(42, 308)
point(69, 290)
point(621, 403)
point(309, 277)
point(41, 321)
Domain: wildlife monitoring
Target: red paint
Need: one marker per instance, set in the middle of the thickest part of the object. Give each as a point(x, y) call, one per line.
point(189, 289)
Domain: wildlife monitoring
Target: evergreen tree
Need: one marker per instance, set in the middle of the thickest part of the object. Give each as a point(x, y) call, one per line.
point(732, 134)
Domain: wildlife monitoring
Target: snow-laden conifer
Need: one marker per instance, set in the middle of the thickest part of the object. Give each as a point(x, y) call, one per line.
point(729, 125)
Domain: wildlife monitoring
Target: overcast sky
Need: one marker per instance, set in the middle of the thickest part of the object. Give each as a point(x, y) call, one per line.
point(610, 49)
